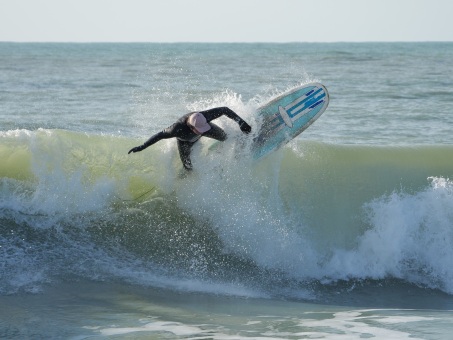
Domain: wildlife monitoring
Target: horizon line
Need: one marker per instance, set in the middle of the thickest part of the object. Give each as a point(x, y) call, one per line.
point(222, 42)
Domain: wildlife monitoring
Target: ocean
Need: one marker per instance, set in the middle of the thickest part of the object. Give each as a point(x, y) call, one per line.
point(344, 233)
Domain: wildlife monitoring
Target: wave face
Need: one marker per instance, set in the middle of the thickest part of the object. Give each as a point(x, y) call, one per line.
point(75, 205)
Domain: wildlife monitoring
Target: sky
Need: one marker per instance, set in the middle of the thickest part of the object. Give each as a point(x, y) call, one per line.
point(225, 20)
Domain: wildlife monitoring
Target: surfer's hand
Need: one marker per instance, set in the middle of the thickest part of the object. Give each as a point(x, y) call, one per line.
point(245, 127)
point(136, 149)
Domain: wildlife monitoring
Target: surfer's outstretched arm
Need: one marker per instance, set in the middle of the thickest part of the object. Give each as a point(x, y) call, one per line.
point(164, 134)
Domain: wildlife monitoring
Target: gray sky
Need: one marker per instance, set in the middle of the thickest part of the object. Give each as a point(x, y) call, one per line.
point(226, 20)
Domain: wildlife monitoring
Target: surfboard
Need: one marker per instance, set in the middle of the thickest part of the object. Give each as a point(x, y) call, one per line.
point(288, 115)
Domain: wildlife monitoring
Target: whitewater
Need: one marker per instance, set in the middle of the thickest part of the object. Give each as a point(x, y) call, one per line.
point(346, 232)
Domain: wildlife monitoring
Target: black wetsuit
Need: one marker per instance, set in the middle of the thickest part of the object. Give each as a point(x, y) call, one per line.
point(186, 137)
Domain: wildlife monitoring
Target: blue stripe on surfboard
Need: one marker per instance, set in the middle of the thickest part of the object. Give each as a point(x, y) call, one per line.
point(309, 92)
point(308, 95)
point(316, 104)
point(306, 103)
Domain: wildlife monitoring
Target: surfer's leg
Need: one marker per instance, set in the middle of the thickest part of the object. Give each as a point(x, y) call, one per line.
point(216, 133)
point(184, 153)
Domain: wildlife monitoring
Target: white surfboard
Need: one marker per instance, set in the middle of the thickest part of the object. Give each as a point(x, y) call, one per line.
point(287, 116)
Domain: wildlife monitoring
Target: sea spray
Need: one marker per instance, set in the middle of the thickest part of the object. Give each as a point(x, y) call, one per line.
point(411, 236)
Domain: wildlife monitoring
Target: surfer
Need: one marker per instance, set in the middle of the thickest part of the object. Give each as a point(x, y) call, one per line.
point(191, 127)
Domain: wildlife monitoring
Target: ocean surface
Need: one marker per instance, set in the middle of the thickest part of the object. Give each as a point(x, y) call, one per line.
point(344, 233)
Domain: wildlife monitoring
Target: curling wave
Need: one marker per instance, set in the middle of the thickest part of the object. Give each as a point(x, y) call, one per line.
point(76, 205)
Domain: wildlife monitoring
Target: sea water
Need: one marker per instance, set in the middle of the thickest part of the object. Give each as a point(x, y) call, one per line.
point(344, 233)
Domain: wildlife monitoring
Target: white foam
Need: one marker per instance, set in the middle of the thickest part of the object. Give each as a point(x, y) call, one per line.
point(175, 328)
point(410, 238)
point(354, 324)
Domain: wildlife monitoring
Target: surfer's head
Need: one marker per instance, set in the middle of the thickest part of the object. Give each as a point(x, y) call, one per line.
point(198, 123)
